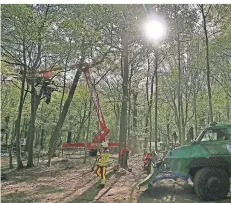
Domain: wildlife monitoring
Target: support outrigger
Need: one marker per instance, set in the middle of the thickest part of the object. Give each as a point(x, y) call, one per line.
point(159, 173)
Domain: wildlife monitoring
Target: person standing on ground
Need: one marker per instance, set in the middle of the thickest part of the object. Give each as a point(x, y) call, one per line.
point(124, 152)
point(102, 162)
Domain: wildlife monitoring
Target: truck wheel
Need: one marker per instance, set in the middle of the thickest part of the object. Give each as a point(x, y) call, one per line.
point(211, 183)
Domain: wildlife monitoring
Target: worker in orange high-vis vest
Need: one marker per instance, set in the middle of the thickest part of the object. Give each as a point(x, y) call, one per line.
point(102, 162)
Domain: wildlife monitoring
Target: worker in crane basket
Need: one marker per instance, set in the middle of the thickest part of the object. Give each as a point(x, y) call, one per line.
point(102, 162)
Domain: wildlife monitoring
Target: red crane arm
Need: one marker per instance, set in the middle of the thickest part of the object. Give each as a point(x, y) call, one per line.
point(101, 136)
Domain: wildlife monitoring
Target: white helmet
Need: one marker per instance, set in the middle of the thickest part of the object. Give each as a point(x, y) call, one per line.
point(104, 144)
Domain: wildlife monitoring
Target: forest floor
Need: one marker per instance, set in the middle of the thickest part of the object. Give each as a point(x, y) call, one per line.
point(68, 180)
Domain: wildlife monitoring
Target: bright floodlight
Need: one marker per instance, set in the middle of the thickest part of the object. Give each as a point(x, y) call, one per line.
point(155, 30)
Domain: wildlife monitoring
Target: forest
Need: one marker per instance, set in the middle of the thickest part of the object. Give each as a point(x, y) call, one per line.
point(152, 90)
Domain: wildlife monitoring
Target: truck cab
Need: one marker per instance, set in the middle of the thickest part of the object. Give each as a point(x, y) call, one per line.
point(216, 139)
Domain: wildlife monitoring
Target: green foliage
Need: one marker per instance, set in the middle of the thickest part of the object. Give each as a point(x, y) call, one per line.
point(71, 30)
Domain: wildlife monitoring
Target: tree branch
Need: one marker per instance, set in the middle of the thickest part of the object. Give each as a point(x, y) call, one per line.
point(208, 10)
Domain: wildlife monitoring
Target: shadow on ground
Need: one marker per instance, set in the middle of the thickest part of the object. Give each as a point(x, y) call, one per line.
point(177, 193)
point(90, 194)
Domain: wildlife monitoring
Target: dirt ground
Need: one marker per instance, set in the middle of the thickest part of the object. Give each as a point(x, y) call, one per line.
point(171, 191)
point(68, 180)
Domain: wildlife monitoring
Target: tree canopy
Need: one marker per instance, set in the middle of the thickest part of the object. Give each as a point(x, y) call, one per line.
point(146, 90)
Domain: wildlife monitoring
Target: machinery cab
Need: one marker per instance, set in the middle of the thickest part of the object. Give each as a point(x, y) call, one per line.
point(216, 139)
point(214, 142)
point(205, 160)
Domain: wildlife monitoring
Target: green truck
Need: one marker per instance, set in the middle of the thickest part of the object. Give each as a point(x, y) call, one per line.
point(206, 161)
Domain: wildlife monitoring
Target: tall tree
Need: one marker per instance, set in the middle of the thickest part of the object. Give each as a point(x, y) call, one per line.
point(56, 132)
point(204, 17)
point(124, 113)
point(156, 96)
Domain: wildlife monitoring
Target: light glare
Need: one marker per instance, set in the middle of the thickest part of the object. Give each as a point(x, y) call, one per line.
point(154, 30)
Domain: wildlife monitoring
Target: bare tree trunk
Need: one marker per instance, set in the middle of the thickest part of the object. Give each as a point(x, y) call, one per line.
point(63, 92)
point(195, 112)
point(56, 132)
point(35, 100)
point(64, 88)
point(129, 112)
point(80, 129)
point(147, 117)
point(130, 92)
point(41, 143)
point(117, 121)
point(168, 132)
point(146, 122)
point(124, 113)
point(156, 97)
point(179, 90)
point(7, 119)
point(150, 130)
point(13, 134)
point(82, 122)
point(18, 123)
point(179, 100)
point(150, 112)
point(195, 92)
point(207, 65)
point(88, 130)
point(39, 137)
point(134, 123)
